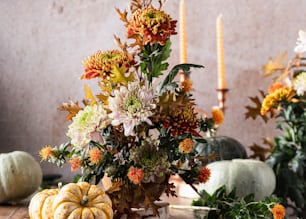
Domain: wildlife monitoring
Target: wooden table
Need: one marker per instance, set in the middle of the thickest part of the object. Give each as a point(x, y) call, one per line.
point(18, 211)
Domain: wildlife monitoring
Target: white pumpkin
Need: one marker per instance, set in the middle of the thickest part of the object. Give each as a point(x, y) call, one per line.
point(246, 175)
point(20, 176)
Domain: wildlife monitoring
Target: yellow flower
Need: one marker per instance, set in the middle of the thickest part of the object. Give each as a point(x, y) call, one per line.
point(151, 25)
point(272, 100)
point(217, 115)
point(186, 146)
point(275, 86)
point(278, 211)
point(95, 155)
point(46, 152)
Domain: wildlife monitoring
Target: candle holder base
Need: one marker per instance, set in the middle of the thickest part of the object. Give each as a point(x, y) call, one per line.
point(222, 94)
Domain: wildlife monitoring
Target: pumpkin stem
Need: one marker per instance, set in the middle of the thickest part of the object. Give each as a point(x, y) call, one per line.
point(84, 200)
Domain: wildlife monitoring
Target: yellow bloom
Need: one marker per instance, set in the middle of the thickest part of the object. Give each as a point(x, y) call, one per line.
point(272, 100)
point(95, 155)
point(46, 152)
point(186, 146)
point(275, 86)
point(217, 115)
point(278, 211)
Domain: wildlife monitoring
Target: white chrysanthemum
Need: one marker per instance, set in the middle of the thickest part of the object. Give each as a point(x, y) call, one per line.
point(131, 106)
point(299, 83)
point(301, 42)
point(90, 119)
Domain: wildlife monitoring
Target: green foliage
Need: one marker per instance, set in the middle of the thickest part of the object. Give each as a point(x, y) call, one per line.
point(230, 206)
point(153, 59)
point(288, 158)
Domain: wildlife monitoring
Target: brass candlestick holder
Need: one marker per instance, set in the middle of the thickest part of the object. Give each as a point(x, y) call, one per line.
point(222, 94)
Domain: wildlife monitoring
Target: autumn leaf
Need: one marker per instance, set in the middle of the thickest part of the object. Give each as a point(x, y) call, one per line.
point(275, 65)
point(89, 95)
point(123, 15)
point(260, 151)
point(254, 111)
point(71, 107)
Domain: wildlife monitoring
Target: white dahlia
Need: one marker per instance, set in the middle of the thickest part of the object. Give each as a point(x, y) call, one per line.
point(89, 120)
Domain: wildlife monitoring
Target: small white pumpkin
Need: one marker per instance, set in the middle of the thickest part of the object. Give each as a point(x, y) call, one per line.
point(246, 175)
point(20, 176)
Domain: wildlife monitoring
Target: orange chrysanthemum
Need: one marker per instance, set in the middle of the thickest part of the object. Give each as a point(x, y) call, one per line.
point(217, 115)
point(275, 86)
point(75, 163)
point(151, 25)
point(110, 66)
point(46, 152)
point(186, 146)
point(95, 155)
point(272, 101)
point(204, 175)
point(278, 211)
point(135, 175)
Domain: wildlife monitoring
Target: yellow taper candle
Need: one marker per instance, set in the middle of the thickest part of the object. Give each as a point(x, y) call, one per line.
point(220, 51)
point(183, 41)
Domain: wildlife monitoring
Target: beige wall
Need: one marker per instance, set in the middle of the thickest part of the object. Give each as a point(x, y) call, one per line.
point(42, 44)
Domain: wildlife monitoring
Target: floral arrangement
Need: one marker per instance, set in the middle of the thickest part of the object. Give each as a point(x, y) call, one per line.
point(286, 101)
point(135, 131)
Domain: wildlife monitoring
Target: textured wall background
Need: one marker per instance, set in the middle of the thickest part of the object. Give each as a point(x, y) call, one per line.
point(42, 44)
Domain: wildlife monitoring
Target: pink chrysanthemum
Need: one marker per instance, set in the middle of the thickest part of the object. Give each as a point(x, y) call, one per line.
point(131, 106)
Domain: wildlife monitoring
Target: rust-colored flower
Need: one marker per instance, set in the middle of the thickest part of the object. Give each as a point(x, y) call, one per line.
point(46, 152)
point(95, 155)
point(110, 66)
point(204, 175)
point(272, 101)
point(75, 163)
point(151, 25)
point(135, 174)
point(278, 211)
point(217, 115)
point(182, 119)
point(186, 146)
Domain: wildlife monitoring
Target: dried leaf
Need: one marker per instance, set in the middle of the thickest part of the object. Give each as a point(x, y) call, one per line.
point(254, 111)
point(123, 15)
point(89, 96)
point(274, 66)
point(71, 107)
point(260, 151)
